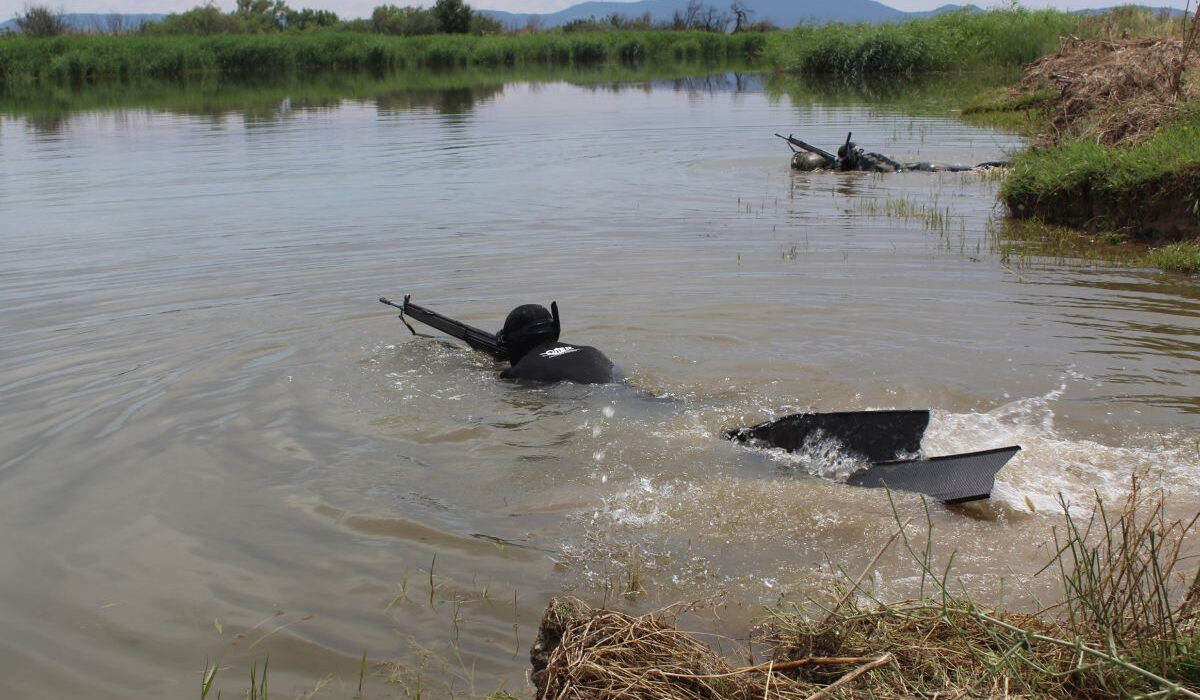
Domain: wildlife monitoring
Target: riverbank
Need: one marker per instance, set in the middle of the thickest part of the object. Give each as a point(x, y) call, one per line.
point(1109, 100)
point(1118, 148)
point(1125, 625)
point(92, 59)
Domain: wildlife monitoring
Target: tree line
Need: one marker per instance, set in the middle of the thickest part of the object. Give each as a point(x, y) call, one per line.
point(443, 17)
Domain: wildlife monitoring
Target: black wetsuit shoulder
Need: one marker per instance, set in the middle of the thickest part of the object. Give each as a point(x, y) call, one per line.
point(562, 362)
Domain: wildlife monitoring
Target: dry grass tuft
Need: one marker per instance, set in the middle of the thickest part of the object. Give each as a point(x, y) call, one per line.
point(604, 655)
point(1126, 627)
point(1114, 91)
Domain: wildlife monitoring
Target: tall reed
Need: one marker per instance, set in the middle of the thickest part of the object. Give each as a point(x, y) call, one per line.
point(95, 58)
point(950, 41)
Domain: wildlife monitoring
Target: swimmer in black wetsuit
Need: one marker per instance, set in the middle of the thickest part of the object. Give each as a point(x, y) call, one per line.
point(530, 338)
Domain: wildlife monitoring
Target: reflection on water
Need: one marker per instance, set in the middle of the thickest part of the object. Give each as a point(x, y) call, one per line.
point(258, 97)
point(918, 94)
point(218, 445)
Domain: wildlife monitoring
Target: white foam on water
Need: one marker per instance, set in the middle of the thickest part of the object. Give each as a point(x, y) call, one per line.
point(1053, 464)
point(820, 455)
point(641, 504)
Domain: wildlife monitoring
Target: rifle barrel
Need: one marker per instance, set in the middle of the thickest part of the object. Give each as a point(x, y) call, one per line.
point(477, 338)
point(832, 159)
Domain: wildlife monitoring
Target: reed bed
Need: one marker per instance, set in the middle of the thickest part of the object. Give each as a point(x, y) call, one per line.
point(94, 58)
point(1125, 627)
point(962, 40)
point(952, 41)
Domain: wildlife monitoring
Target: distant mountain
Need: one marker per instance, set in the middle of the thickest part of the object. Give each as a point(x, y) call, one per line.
point(783, 13)
point(93, 22)
point(941, 10)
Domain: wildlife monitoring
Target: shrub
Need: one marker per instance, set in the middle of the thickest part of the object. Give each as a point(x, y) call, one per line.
point(41, 21)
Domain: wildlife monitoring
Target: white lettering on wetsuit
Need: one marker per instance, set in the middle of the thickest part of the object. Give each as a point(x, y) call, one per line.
point(555, 352)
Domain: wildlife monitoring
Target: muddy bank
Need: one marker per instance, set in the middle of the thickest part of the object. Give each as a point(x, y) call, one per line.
point(1119, 145)
point(1155, 211)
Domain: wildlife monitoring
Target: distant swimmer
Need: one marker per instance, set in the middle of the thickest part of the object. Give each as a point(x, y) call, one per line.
point(850, 156)
point(529, 342)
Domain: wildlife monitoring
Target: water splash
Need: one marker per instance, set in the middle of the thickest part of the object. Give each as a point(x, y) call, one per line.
point(1053, 463)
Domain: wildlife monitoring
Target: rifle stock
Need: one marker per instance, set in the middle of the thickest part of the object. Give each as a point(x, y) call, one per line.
point(478, 339)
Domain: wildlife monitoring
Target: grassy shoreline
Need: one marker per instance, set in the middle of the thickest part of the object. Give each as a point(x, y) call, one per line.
point(92, 59)
point(1115, 154)
point(952, 41)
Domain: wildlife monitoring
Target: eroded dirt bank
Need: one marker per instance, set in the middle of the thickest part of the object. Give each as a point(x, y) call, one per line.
point(1118, 149)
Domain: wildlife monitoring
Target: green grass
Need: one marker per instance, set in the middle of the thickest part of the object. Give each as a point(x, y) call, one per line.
point(1085, 184)
point(86, 59)
point(1028, 244)
point(948, 42)
point(952, 41)
point(1023, 114)
point(1177, 257)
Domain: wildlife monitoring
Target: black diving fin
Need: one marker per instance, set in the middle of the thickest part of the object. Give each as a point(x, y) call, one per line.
point(869, 436)
point(958, 478)
point(880, 438)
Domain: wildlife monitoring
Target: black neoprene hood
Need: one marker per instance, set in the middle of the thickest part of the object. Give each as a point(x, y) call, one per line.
point(526, 327)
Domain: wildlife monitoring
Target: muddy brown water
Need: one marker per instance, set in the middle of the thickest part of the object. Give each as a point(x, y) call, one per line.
point(217, 446)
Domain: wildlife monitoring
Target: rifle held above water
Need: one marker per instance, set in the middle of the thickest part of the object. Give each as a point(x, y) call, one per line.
point(478, 339)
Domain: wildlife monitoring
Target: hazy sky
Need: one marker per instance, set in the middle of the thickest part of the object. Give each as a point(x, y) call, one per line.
point(362, 8)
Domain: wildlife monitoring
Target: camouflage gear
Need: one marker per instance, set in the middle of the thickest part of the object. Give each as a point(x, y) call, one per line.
point(850, 157)
point(803, 160)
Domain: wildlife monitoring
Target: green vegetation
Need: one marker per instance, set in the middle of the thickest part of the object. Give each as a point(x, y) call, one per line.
point(1028, 243)
point(95, 58)
point(1109, 187)
point(1177, 257)
point(961, 40)
point(1115, 123)
point(267, 36)
point(952, 41)
point(998, 108)
point(918, 94)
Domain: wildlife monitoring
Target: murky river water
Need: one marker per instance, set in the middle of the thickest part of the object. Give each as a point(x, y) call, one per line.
point(217, 445)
